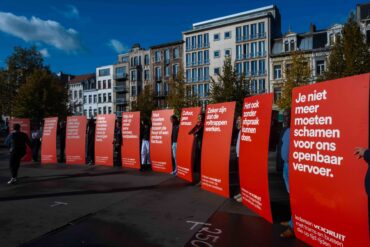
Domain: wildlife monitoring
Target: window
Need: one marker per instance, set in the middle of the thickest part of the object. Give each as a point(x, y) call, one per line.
point(90, 99)
point(194, 75)
point(216, 37)
point(238, 68)
point(146, 59)
point(95, 97)
point(75, 94)
point(195, 90)
point(238, 32)
point(331, 39)
point(109, 97)
point(277, 72)
point(206, 89)
point(238, 52)
point(286, 46)
point(85, 97)
point(124, 60)
point(254, 68)
point(167, 70)
point(146, 75)
point(133, 90)
point(175, 69)
point(104, 84)
point(194, 58)
point(206, 40)
point(194, 42)
point(109, 83)
point(246, 69)
point(187, 43)
point(261, 29)
point(216, 71)
point(227, 35)
point(157, 56)
point(188, 59)
point(104, 97)
point(261, 48)
point(109, 110)
point(253, 31)
point(120, 72)
point(277, 94)
point(99, 98)
point(200, 74)
point(200, 57)
point(253, 49)
point(246, 32)
point(227, 52)
point(261, 86)
point(95, 111)
point(158, 75)
point(206, 73)
point(206, 56)
point(320, 67)
point(176, 53)
point(188, 75)
point(80, 94)
point(167, 56)
point(200, 41)
point(254, 86)
point(201, 90)
point(99, 84)
point(133, 75)
point(104, 72)
point(216, 54)
point(104, 110)
point(261, 67)
point(292, 46)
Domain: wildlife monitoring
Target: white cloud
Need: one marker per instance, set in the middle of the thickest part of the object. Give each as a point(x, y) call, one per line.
point(45, 53)
point(35, 29)
point(72, 12)
point(117, 46)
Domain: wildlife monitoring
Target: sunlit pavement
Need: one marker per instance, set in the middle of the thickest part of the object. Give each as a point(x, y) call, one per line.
point(59, 205)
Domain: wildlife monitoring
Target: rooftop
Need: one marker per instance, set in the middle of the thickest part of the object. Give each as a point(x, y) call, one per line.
point(177, 42)
point(81, 78)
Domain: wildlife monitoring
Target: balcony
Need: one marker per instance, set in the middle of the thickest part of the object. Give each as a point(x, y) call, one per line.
point(120, 77)
point(158, 78)
point(121, 101)
point(122, 89)
point(160, 94)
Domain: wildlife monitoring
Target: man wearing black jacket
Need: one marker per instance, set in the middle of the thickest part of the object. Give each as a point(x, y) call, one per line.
point(16, 142)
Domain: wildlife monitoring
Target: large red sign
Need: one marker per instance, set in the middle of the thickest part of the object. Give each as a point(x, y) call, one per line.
point(160, 141)
point(25, 128)
point(253, 159)
point(75, 140)
point(104, 135)
point(216, 148)
point(185, 143)
point(327, 188)
point(131, 139)
point(49, 141)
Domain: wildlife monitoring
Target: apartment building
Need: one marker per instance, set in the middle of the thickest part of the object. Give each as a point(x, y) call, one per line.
point(90, 107)
point(121, 87)
point(363, 19)
point(314, 44)
point(104, 79)
point(75, 92)
point(166, 62)
point(244, 37)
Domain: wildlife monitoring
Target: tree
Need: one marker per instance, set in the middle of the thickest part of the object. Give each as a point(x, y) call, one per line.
point(145, 102)
point(179, 95)
point(298, 74)
point(230, 87)
point(41, 96)
point(350, 54)
point(20, 64)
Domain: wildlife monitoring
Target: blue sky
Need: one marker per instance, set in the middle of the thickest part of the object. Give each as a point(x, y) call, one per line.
point(77, 36)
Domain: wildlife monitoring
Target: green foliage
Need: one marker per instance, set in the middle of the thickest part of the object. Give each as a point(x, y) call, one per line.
point(180, 94)
point(41, 96)
point(230, 87)
point(145, 102)
point(350, 54)
point(298, 74)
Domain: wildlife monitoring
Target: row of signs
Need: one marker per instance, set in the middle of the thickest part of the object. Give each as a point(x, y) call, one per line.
point(327, 187)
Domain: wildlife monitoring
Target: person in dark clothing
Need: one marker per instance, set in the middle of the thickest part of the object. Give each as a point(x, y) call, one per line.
point(16, 142)
point(62, 140)
point(36, 143)
point(197, 131)
point(145, 138)
point(117, 142)
point(90, 141)
point(174, 134)
point(365, 154)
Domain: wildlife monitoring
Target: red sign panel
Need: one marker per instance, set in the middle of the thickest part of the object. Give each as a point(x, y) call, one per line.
point(104, 135)
point(216, 148)
point(160, 141)
point(25, 128)
point(327, 188)
point(253, 159)
point(131, 140)
point(185, 143)
point(49, 141)
point(75, 140)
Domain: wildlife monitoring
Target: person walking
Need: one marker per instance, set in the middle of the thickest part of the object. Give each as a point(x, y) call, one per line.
point(174, 135)
point(36, 143)
point(90, 141)
point(16, 142)
point(145, 147)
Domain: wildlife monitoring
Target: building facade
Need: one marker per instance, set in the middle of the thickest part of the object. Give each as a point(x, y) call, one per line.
point(121, 87)
point(166, 63)
point(363, 19)
point(104, 81)
point(244, 37)
point(90, 107)
point(315, 45)
point(75, 92)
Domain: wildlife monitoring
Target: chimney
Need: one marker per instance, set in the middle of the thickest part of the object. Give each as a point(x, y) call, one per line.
point(312, 28)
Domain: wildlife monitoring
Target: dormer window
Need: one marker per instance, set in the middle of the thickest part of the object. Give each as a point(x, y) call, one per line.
point(286, 46)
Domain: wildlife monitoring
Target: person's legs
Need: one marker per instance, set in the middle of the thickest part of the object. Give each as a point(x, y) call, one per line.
point(143, 154)
point(286, 176)
point(174, 147)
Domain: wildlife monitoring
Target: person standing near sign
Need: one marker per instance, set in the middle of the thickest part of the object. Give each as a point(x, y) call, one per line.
point(365, 154)
point(145, 137)
point(117, 142)
point(62, 140)
point(174, 135)
point(197, 131)
point(36, 143)
point(16, 143)
point(90, 141)
point(288, 233)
